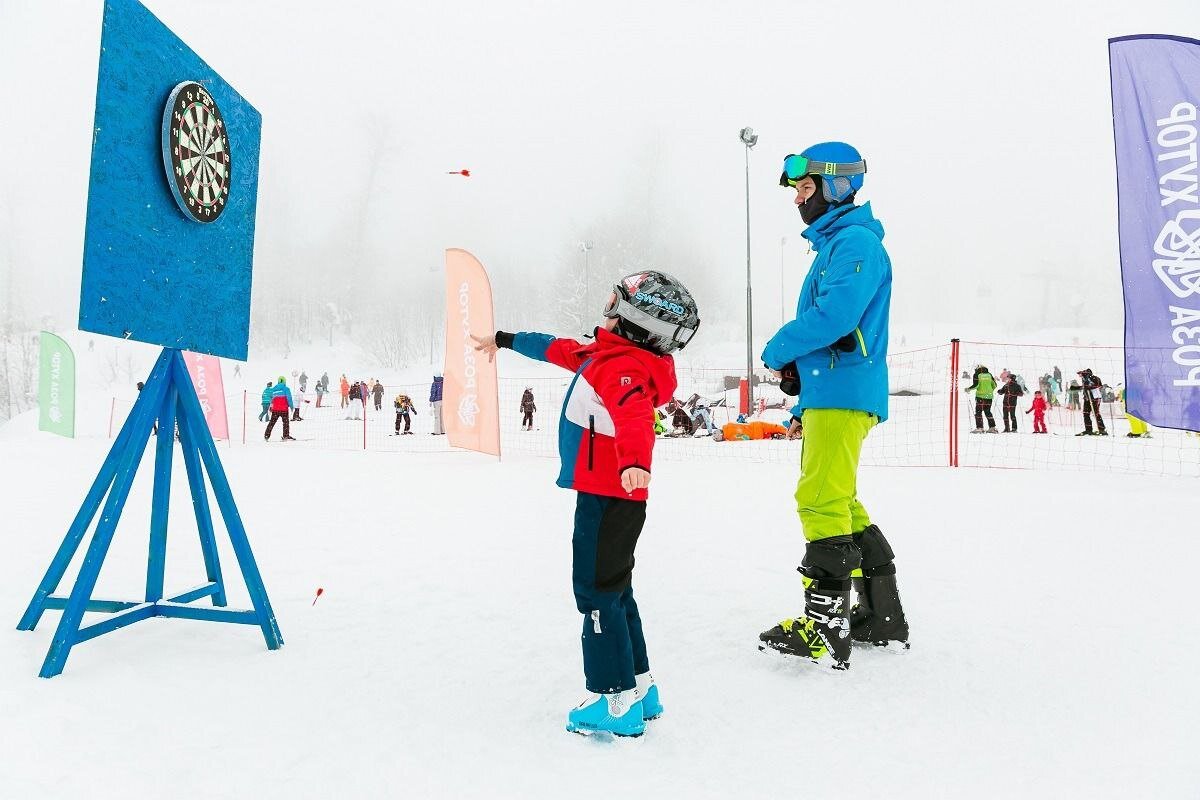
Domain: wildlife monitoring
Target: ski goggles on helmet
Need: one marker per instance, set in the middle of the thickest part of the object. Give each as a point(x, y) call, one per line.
point(619, 307)
point(796, 168)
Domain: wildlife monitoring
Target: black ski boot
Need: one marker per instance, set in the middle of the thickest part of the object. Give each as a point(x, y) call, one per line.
point(822, 634)
point(878, 618)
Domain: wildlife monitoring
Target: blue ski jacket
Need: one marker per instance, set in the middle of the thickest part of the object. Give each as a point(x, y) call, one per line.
point(848, 291)
point(281, 398)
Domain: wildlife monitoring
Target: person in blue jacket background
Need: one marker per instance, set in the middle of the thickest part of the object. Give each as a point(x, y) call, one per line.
point(837, 346)
point(266, 403)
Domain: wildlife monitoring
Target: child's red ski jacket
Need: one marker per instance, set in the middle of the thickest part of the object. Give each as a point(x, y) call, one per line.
point(607, 421)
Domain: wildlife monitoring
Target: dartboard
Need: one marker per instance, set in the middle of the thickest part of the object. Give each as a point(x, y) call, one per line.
point(196, 152)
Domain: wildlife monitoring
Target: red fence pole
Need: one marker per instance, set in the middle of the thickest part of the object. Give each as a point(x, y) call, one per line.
point(364, 405)
point(953, 437)
point(112, 409)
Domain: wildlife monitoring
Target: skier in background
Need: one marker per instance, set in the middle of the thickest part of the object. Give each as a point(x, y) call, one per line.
point(1055, 388)
point(356, 401)
point(300, 399)
point(837, 342)
point(984, 387)
point(606, 440)
point(697, 410)
point(266, 403)
point(681, 420)
point(1138, 428)
point(1092, 390)
point(377, 395)
point(1012, 391)
point(1039, 413)
point(527, 409)
point(281, 404)
point(303, 381)
point(404, 409)
point(344, 388)
point(435, 405)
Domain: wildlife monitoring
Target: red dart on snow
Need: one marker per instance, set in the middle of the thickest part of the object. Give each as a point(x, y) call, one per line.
point(320, 592)
point(466, 173)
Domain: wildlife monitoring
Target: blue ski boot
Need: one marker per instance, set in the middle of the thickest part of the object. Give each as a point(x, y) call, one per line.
point(618, 713)
point(647, 691)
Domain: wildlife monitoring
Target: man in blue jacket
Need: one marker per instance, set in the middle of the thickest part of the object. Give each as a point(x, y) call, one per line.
point(837, 345)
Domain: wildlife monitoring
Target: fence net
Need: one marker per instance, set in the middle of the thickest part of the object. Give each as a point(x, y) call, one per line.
point(931, 416)
point(1053, 370)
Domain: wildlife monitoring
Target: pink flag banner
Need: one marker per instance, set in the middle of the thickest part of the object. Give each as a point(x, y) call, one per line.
point(205, 371)
point(472, 398)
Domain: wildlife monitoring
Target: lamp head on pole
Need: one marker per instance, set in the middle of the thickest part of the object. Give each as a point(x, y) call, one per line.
point(748, 137)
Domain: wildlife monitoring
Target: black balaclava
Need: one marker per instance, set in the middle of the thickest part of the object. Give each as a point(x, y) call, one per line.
point(815, 207)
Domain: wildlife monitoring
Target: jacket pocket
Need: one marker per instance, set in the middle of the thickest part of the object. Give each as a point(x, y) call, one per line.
point(591, 440)
point(862, 343)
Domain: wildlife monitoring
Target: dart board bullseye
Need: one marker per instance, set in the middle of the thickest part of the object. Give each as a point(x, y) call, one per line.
point(196, 154)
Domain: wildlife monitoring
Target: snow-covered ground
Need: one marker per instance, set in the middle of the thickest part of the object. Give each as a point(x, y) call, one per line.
point(1051, 653)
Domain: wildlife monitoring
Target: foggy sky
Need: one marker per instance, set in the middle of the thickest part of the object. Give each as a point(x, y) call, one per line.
point(987, 130)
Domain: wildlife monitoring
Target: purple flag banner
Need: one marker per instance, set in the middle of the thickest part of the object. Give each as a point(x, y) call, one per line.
point(1155, 97)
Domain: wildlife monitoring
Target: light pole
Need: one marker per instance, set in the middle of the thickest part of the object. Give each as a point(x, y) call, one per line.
point(585, 247)
point(782, 269)
point(749, 139)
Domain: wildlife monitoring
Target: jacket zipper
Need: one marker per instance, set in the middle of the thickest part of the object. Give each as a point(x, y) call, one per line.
point(591, 439)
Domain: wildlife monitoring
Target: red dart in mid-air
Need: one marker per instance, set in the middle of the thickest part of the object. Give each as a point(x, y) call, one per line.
point(466, 173)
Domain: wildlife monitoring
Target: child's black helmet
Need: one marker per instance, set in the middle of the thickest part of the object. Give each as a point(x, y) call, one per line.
point(655, 310)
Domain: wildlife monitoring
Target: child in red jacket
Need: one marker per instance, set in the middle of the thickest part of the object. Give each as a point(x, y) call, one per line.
point(1039, 413)
point(606, 440)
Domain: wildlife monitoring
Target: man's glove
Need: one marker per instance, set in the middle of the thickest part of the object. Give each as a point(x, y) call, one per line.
point(789, 380)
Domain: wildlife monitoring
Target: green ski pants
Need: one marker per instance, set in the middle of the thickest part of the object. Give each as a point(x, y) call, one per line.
point(827, 494)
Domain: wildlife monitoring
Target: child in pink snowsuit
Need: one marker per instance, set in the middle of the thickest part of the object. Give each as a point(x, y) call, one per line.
point(1039, 413)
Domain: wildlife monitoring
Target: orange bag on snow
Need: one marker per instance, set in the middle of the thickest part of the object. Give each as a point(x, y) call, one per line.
point(751, 431)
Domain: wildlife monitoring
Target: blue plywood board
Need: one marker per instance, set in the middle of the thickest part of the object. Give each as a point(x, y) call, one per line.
point(149, 272)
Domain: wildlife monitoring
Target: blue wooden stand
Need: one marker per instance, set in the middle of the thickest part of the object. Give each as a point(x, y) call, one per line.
point(170, 399)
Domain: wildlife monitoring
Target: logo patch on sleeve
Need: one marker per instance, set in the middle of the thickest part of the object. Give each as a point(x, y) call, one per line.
point(625, 381)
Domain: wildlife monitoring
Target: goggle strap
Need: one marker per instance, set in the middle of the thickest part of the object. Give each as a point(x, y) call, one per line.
point(828, 169)
point(626, 310)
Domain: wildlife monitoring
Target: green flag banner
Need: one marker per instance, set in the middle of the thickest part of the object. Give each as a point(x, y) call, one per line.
point(56, 387)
